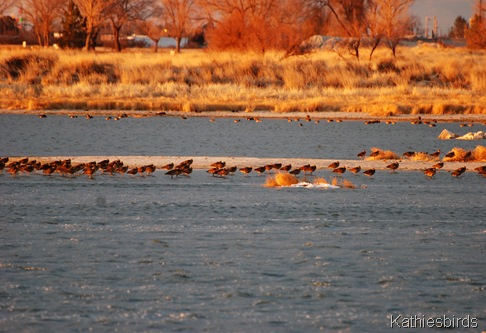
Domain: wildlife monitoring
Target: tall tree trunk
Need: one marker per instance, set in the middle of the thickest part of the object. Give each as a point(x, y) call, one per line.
point(116, 37)
point(178, 44)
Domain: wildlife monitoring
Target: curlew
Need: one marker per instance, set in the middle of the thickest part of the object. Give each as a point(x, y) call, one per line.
point(369, 172)
point(393, 166)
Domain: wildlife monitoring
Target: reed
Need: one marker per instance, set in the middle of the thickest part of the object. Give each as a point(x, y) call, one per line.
point(381, 154)
point(320, 181)
point(347, 184)
point(281, 179)
point(419, 80)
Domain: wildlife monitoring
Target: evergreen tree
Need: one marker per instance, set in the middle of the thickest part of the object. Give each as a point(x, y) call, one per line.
point(73, 27)
point(476, 34)
point(459, 28)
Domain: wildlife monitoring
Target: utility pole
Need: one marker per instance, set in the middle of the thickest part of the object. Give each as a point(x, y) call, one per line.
point(426, 33)
point(436, 28)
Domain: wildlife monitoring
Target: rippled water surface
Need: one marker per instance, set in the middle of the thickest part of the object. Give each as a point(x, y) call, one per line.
point(202, 253)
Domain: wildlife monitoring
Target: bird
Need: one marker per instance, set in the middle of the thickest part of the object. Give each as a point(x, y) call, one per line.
point(456, 173)
point(408, 154)
point(173, 172)
point(88, 116)
point(393, 166)
point(374, 153)
point(233, 169)
point(260, 169)
point(43, 115)
point(222, 172)
point(333, 165)
point(213, 171)
point(369, 172)
point(339, 170)
point(150, 168)
point(436, 154)
point(133, 171)
point(219, 164)
point(286, 167)
point(362, 154)
point(438, 165)
point(355, 170)
point(246, 170)
point(309, 168)
point(295, 172)
point(450, 154)
point(430, 172)
point(481, 169)
point(169, 166)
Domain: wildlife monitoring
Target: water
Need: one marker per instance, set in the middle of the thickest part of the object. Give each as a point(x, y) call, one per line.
point(201, 253)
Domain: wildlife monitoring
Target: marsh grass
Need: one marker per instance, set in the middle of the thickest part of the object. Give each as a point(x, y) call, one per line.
point(381, 154)
point(420, 80)
point(478, 154)
point(281, 179)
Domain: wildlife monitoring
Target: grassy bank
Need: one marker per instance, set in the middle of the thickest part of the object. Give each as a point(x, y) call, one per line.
point(422, 80)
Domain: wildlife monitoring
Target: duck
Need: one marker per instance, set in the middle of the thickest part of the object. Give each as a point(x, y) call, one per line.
point(369, 172)
point(393, 166)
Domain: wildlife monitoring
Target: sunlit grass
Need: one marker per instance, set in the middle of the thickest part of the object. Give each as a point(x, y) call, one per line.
point(420, 80)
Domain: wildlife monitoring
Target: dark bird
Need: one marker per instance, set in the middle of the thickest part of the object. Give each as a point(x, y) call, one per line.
point(213, 171)
point(309, 168)
point(173, 172)
point(222, 172)
point(43, 115)
point(246, 170)
point(133, 171)
point(150, 169)
point(362, 154)
point(260, 169)
point(430, 172)
point(369, 172)
point(185, 163)
point(436, 154)
point(450, 154)
point(333, 165)
point(295, 172)
point(481, 169)
point(233, 169)
point(409, 154)
point(286, 167)
point(339, 170)
point(456, 173)
point(374, 153)
point(438, 165)
point(393, 166)
point(88, 116)
point(277, 165)
point(355, 170)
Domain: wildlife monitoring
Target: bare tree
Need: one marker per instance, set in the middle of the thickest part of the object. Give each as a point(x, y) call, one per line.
point(6, 4)
point(154, 30)
point(123, 11)
point(178, 16)
point(394, 20)
point(42, 14)
point(94, 11)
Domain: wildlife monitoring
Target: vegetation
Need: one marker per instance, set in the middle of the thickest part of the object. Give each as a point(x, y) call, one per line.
point(422, 80)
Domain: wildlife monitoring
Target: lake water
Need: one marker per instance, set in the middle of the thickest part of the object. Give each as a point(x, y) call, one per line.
point(202, 253)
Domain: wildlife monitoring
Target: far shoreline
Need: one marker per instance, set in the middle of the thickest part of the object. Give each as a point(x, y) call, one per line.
point(263, 114)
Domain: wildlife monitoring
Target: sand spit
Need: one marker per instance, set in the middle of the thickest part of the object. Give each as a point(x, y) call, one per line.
point(204, 162)
point(328, 115)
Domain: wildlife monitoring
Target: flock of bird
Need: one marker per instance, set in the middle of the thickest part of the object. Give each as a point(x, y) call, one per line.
point(219, 168)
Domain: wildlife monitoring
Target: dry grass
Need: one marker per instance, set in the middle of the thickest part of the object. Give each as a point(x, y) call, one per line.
point(419, 80)
point(281, 179)
point(347, 184)
point(478, 154)
point(422, 156)
point(320, 181)
point(382, 155)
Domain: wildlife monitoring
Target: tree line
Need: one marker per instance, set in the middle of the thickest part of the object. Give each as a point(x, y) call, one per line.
point(258, 25)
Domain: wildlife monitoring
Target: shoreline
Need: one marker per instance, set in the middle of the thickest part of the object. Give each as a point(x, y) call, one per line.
point(204, 162)
point(315, 115)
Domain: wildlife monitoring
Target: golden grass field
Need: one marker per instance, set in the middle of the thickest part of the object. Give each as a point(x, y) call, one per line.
point(421, 80)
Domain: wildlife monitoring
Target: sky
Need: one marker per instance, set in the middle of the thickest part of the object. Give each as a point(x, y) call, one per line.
point(446, 12)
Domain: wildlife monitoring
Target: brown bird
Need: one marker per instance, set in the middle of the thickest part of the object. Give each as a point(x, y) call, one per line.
point(333, 165)
point(295, 172)
point(268, 167)
point(49, 171)
point(219, 164)
point(436, 154)
point(456, 173)
point(133, 171)
point(430, 172)
point(450, 154)
point(374, 153)
point(369, 172)
point(408, 154)
point(222, 172)
point(260, 169)
point(246, 170)
point(122, 169)
point(90, 171)
point(438, 165)
point(339, 170)
point(286, 167)
point(362, 154)
point(309, 168)
point(169, 166)
point(88, 116)
point(233, 169)
point(393, 166)
point(481, 169)
point(173, 172)
point(277, 166)
point(150, 169)
point(355, 170)
point(186, 170)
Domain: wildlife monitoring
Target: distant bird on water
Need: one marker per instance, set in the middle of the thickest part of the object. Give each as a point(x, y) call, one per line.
point(362, 154)
point(430, 172)
point(456, 173)
point(355, 170)
point(369, 172)
point(333, 165)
